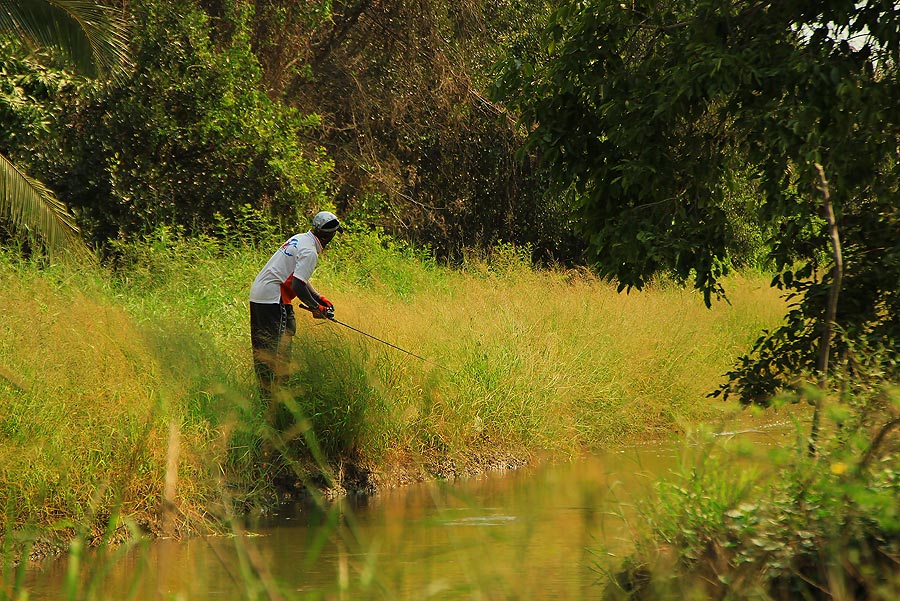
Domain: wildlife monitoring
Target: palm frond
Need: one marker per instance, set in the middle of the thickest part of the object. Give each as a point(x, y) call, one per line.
point(94, 39)
point(91, 36)
point(28, 204)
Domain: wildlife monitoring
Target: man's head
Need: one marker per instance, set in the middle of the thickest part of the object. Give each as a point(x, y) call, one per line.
point(325, 225)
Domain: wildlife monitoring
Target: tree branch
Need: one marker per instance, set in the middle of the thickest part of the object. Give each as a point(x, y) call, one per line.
point(340, 32)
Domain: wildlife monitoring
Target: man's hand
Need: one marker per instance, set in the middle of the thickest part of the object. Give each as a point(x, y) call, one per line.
point(325, 310)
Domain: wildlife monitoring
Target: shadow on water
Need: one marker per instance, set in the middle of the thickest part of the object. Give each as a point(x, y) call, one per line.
point(532, 533)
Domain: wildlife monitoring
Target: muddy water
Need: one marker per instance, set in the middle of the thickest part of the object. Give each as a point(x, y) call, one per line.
point(535, 533)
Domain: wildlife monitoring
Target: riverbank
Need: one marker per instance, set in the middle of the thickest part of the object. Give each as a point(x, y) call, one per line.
point(523, 533)
point(129, 401)
point(793, 524)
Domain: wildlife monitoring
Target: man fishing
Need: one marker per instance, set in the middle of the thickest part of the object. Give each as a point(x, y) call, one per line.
point(285, 277)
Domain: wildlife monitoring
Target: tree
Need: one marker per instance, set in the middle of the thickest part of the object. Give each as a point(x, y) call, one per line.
point(418, 148)
point(188, 138)
point(90, 37)
point(648, 113)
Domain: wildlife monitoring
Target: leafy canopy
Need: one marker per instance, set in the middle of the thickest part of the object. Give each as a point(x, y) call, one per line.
point(650, 114)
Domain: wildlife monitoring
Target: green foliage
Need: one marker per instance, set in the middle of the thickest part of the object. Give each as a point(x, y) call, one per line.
point(330, 404)
point(27, 94)
point(29, 91)
point(201, 125)
point(401, 86)
point(811, 528)
point(87, 35)
point(370, 258)
point(702, 499)
point(188, 136)
point(750, 244)
point(649, 114)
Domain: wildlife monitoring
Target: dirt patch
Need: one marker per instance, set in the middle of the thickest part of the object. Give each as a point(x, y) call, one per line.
point(355, 475)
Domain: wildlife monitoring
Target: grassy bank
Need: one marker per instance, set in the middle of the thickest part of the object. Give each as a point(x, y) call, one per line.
point(110, 377)
point(786, 525)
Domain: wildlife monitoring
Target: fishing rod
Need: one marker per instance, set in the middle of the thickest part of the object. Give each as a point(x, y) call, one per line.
point(330, 317)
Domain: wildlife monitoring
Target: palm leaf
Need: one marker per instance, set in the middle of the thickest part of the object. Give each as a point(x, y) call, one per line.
point(92, 37)
point(28, 204)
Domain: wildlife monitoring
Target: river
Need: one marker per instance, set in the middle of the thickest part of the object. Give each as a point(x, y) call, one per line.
point(539, 532)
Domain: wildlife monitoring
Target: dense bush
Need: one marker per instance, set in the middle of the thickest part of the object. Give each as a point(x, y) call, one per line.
point(804, 527)
point(187, 136)
point(28, 91)
point(418, 148)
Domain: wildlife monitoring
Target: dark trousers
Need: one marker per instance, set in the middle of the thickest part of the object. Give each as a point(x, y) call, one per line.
point(272, 328)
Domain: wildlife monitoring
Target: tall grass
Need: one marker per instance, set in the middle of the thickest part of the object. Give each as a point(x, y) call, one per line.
point(543, 360)
point(99, 365)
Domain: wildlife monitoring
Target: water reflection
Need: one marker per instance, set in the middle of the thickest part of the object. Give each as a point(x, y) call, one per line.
point(528, 534)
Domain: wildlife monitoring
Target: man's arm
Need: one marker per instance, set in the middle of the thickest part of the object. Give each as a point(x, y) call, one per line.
point(306, 293)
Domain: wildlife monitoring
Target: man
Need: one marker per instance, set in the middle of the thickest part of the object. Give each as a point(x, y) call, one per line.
point(285, 277)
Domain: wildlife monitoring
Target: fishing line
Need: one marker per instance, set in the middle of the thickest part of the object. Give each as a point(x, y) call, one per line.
point(394, 346)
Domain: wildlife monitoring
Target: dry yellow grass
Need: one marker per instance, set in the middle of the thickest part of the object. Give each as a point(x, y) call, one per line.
point(96, 368)
point(553, 360)
point(83, 431)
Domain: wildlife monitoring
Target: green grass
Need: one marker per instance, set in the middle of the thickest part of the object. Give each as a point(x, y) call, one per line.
point(98, 364)
point(783, 525)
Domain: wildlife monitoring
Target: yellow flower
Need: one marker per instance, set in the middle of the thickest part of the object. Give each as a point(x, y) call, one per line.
point(838, 468)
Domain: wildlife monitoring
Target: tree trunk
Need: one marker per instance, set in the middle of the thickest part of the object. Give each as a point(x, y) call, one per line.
point(837, 274)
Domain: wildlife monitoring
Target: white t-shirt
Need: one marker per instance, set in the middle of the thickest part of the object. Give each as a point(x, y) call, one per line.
point(296, 258)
